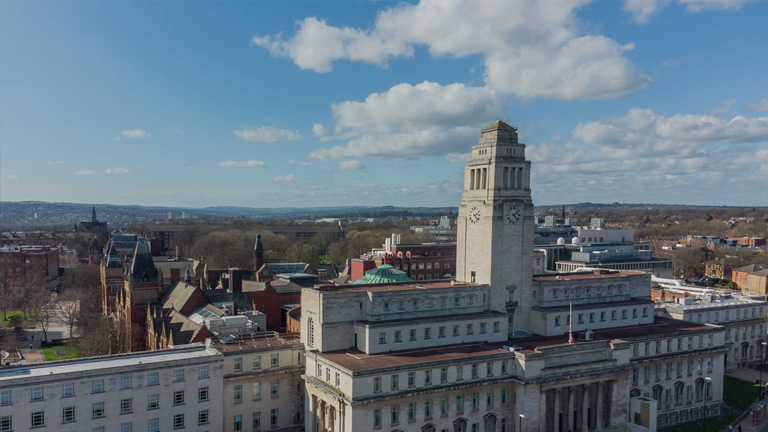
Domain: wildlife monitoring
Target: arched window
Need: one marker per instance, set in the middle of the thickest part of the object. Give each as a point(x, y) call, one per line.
point(311, 330)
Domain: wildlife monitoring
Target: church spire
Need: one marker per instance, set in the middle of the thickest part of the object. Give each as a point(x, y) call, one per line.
point(93, 215)
point(258, 254)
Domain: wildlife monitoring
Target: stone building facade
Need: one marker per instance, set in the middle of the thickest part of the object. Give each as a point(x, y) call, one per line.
point(157, 391)
point(490, 351)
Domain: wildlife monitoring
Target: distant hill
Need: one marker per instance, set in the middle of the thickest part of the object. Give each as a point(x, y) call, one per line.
point(29, 214)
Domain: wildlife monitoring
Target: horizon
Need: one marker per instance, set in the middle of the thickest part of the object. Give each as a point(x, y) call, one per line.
point(304, 104)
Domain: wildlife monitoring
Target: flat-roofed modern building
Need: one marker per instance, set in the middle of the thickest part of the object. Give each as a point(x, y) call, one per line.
point(163, 390)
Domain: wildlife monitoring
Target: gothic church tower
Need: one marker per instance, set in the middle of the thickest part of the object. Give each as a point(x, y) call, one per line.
point(495, 223)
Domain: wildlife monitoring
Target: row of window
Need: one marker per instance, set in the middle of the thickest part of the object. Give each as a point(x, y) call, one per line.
point(426, 380)
point(444, 302)
point(741, 332)
point(670, 345)
point(68, 416)
point(587, 291)
point(274, 390)
point(274, 420)
point(441, 332)
point(472, 403)
point(603, 316)
point(672, 370)
point(10, 260)
point(682, 393)
point(707, 316)
point(97, 385)
point(274, 361)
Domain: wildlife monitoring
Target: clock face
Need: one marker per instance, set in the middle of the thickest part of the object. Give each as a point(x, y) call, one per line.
point(513, 215)
point(474, 215)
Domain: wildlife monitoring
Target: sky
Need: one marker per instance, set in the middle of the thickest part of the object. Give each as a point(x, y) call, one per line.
point(337, 103)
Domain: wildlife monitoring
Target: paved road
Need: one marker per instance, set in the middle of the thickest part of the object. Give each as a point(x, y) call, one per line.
point(751, 375)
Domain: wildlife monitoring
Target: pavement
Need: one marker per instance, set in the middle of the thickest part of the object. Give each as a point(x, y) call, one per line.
point(745, 421)
point(30, 349)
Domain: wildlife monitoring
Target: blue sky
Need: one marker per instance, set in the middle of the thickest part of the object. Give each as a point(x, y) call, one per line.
point(289, 103)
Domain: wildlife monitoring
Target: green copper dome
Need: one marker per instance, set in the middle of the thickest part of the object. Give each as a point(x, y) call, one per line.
point(383, 274)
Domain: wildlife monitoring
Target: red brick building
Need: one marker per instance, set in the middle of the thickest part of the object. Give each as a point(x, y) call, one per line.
point(754, 242)
point(420, 261)
point(21, 263)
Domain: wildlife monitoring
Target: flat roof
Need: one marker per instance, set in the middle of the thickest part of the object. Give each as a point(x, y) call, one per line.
point(257, 342)
point(402, 286)
point(358, 361)
point(91, 364)
point(661, 327)
point(594, 274)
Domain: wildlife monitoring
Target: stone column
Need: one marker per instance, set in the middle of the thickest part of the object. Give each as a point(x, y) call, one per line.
point(569, 412)
point(314, 413)
point(322, 416)
point(600, 402)
point(585, 408)
point(558, 409)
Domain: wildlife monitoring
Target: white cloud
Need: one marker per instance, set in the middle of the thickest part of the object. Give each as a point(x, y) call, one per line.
point(242, 164)
point(10, 177)
point(701, 5)
point(300, 163)
point(642, 10)
point(108, 171)
point(135, 133)
point(407, 122)
point(653, 157)
point(56, 162)
point(457, 157)
point(318, 130)
point(268, 134)
point(290, 178)
point(116, 171)
point(535, 48)
point(189, 167)
point(760, 106)
point(351, 165)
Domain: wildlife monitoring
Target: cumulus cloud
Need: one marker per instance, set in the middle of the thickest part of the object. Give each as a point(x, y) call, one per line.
point(242, 164)
point(267, 134)
point(135, 133)
point(411, 121)
point(290, 178)
point(760, 106)
point(318, 130)
point(536, 48)
point(642, 10)
point(300, 163)
point(643, 153)
point(108, 171)
point(351, 165)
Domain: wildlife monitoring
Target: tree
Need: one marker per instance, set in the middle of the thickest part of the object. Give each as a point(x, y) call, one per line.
point(689, 261)
point(69, 309)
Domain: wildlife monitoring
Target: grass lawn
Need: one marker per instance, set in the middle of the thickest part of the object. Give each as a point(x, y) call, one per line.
point(738, 394)
point(6, 323)
point(50, 353)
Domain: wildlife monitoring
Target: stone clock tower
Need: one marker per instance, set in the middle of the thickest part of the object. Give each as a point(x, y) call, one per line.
point(495, 224)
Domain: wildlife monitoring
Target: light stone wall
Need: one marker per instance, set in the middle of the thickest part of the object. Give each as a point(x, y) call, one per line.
point(252, 380)
point(111, 370)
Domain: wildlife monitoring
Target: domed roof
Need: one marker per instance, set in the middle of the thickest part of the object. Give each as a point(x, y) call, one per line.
point(383, 274)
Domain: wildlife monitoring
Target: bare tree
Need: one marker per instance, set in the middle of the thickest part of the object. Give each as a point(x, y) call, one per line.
point(69, 309)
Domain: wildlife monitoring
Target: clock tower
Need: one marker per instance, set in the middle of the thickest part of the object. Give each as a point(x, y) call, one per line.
point(495, 224)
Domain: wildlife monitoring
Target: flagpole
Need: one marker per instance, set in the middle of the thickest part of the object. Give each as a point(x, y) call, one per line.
point(570, 323)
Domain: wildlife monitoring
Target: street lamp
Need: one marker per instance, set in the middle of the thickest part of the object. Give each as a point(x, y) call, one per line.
point(522, 423)
point(707, 386)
